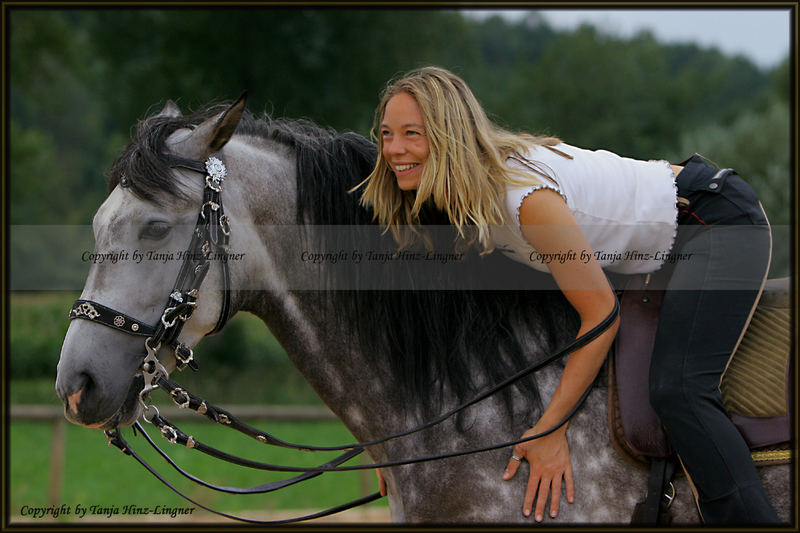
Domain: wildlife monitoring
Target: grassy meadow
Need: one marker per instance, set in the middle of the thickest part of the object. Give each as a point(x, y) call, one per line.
point(94, 474)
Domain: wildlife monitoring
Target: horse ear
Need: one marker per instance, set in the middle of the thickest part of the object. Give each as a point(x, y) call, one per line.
point(214, 133)
point(171, 109)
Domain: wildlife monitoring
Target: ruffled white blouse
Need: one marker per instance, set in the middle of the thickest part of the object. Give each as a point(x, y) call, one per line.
point(627, 208)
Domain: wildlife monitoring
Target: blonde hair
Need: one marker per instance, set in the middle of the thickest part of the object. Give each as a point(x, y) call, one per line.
point(465, 174)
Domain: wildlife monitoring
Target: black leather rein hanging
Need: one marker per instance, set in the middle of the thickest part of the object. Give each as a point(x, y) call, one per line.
point(211, 234)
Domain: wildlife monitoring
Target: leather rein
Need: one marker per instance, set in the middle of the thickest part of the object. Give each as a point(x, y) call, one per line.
point(210, 240)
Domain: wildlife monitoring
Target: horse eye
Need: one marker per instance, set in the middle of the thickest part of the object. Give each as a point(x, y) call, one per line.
point(155, 231)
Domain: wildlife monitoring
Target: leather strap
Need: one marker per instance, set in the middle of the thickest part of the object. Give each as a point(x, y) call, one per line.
point(184, 398)
point(211, 234)
point(258, 489)
point(99, 313)
point(172, 433)
point(650, 510)
point(115, 438)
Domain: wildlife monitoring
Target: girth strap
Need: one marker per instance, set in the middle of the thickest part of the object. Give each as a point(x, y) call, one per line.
point(651, 510)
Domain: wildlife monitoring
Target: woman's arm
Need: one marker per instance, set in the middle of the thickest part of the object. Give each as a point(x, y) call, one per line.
point(550, 228)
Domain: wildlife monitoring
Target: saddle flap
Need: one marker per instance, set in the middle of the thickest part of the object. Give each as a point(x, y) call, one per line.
point(639, 308)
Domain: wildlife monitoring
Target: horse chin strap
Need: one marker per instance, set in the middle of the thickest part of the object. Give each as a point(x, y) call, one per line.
point(209, 242)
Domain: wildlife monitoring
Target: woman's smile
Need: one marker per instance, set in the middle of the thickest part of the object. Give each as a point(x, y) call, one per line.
point(405, 144)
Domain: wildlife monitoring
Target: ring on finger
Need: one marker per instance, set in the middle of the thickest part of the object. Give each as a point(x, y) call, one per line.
point(516, 458)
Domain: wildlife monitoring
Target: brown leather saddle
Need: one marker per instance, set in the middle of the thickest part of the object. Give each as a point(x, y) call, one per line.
point(756, 386)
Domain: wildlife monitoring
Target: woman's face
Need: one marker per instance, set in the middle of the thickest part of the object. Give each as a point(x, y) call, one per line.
point(405, 143)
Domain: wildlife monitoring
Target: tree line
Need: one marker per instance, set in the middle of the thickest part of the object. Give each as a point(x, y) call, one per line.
point(79, 79)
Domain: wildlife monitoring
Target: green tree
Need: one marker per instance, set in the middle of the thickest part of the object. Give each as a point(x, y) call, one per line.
point(80, 79)
point(57, 133)
point(757, 144)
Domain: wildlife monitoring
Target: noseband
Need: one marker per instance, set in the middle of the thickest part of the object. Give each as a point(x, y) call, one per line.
point(211, 235)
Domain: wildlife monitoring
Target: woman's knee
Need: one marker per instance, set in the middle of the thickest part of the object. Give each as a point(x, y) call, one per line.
point(666, 392)
point(675, 395)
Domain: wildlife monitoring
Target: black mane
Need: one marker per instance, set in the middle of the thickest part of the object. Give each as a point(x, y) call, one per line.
point(435, 340)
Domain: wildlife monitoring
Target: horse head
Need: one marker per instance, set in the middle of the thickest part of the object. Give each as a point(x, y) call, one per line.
point(141, 233)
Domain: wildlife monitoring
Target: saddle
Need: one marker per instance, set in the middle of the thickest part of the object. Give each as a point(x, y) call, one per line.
point(756, 386)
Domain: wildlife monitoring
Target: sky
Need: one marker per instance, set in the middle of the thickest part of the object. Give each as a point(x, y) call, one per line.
point(762, 35)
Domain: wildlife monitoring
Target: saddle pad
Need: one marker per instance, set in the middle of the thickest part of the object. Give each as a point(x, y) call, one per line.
point(755, 382)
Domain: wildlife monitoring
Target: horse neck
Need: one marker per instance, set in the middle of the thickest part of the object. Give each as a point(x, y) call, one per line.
point(303, 321)
point(313, 326)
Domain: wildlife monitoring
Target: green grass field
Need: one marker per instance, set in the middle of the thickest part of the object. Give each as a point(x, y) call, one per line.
point(98, 475)
point(243, 365)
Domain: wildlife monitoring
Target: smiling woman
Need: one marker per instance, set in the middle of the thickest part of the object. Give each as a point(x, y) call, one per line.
point(529, 197)
point(430, 156)
point(405, 144)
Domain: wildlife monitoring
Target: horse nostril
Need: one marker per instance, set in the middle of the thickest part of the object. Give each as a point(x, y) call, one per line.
point(85, 383)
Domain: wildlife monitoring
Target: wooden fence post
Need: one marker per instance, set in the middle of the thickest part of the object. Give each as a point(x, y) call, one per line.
point(58, 450)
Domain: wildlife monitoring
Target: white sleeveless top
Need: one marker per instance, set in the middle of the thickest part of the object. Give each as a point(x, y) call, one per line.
point(627, 208)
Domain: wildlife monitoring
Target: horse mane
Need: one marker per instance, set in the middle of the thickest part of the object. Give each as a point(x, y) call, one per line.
point(439, 344)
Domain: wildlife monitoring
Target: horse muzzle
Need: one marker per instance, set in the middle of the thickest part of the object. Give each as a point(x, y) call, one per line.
point(95, 391)
point(86, 405)
point(89, 408)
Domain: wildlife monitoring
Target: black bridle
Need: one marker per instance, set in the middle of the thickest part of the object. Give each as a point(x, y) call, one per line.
point(211, 236)
point(209, 241)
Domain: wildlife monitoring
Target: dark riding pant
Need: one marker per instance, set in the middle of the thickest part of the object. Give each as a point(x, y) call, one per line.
point(725, 245)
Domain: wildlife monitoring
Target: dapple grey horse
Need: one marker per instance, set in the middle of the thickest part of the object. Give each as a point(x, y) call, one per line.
point(383, 358)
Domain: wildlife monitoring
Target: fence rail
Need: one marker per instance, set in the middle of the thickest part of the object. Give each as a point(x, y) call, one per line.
point(295, 413)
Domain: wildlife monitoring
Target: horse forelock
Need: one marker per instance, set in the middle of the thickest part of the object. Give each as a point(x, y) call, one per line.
point(144, 164)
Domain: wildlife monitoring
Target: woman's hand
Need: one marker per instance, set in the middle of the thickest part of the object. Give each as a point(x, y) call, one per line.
point(548, 225)
point(549, 463)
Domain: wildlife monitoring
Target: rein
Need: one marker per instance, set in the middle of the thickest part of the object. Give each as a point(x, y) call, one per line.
point(211, 234)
